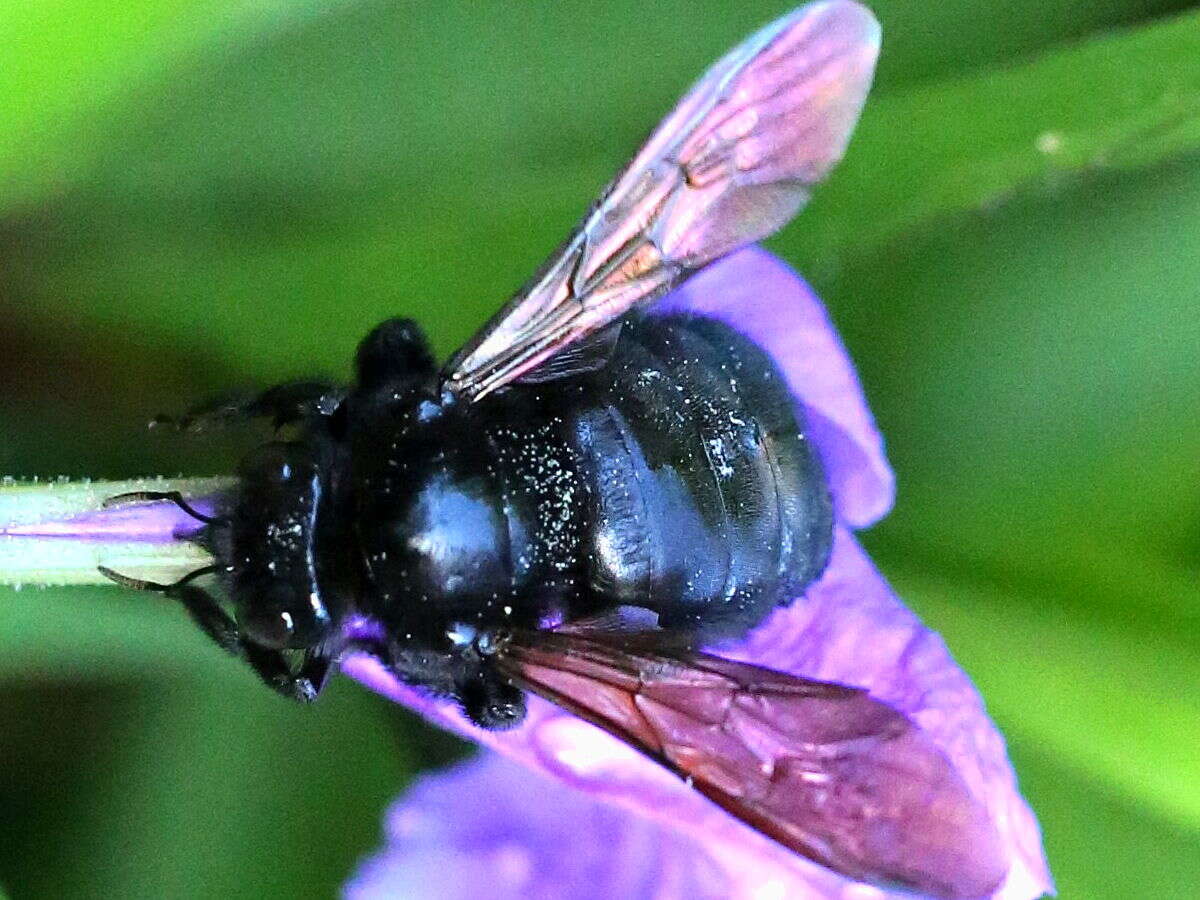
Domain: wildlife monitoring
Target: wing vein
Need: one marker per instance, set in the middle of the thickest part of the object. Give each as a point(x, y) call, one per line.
point(731, 164)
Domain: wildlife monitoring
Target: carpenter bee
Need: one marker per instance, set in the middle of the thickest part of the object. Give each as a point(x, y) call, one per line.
point(546, 512)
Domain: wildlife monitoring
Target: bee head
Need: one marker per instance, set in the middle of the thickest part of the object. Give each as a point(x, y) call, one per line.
point(274, 568)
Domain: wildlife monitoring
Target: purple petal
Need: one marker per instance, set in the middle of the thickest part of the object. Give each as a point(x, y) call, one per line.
point(764, 299)
point(476, 824)
point(60, 532)
point(849, 628)
point(145, 522)
point(76, 509)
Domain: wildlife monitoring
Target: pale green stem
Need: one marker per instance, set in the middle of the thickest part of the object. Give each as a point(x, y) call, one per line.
point(59, 532)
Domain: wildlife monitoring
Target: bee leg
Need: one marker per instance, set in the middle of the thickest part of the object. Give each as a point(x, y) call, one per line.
point(284, 404)
point(209, 617)
point(491, 701)
point(170, 497)
point(394, 350)
point(315, 671)
point(269, 665)
point(199, 604)
point(272, 667)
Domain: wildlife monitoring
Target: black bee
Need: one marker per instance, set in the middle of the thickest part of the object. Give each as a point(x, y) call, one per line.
point(588, 492)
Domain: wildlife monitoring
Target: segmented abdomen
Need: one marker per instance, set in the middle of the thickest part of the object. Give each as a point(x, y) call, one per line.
point(707, 503)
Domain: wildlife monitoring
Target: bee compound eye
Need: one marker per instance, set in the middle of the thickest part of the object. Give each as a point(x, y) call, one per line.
point(277, 463)
point(268, 625)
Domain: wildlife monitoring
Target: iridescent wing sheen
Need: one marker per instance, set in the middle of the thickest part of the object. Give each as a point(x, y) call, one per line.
point(734, 161)
point(824, 769)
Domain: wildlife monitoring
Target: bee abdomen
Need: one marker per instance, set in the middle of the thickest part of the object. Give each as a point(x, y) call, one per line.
point(708, 504)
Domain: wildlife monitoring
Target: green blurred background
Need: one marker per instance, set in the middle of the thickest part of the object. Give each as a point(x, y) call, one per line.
point(198, 195)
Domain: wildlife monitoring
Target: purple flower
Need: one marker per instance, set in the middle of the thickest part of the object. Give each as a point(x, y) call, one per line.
point(575, 813)
point(60, 532)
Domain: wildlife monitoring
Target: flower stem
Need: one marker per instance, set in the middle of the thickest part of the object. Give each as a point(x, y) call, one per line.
point(60, 532)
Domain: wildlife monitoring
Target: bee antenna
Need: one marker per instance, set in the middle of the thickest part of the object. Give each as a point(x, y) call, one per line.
point(140, 584)
point(171, 497)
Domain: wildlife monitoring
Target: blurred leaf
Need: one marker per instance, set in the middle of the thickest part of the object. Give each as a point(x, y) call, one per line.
point(71, 64)
point(1034, 368)
point(223, 788)
point(335, 192)
point(99, 632)
point(1121, 813)
point(67, 63)
point(926, 42)
point(1103, 701)
point(1114, 102)
point(1035, 371)
point(42, 542)
point(206, 788)
point(1099, 844)
point(241, 192)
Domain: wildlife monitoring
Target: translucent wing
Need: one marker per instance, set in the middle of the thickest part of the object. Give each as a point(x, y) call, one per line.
point(732, 164)
point(824, 769)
